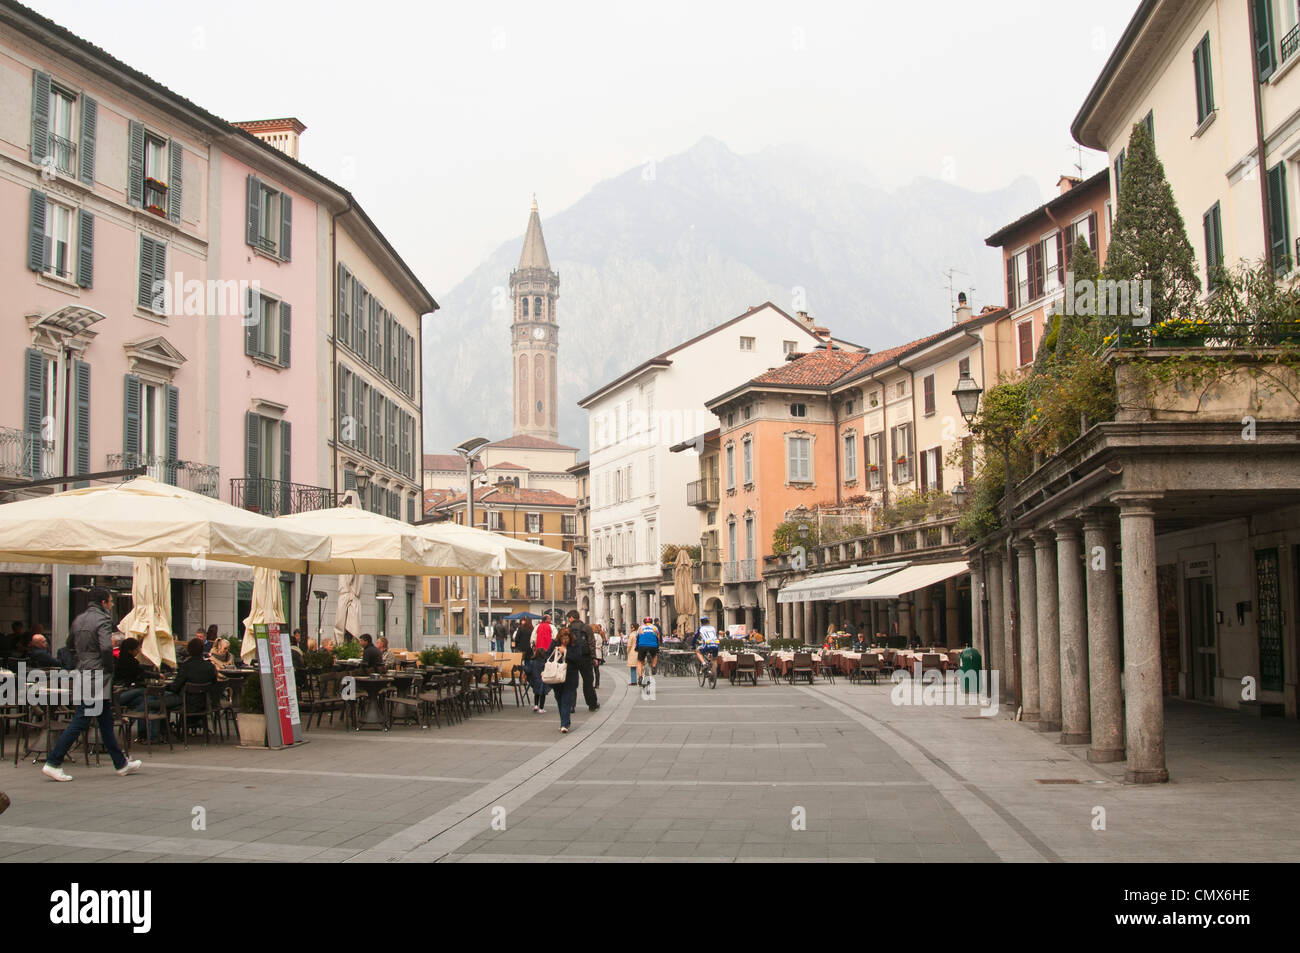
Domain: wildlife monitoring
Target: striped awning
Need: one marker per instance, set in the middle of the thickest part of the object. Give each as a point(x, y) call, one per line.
point(835, 584)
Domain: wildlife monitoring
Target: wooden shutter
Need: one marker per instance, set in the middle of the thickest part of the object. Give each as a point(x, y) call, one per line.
point(89, 130)
point(1211, 256)
point(1025, 336)
point(284, 333)
point(33, 404)
point(344, 374)
point(252, 318)
point(1011, 281)
point(925, 471)
point(150, 253)
point(37, 259)
point(410, 509)
point(376, 426)
point(344, 308)
point(358, 318)
point(938, 470)
point(1037, 279)
point(252, 445)
point(81, 415)
point(176, 163)
point(1263, 10)
point(928, 385)
point(85, 249)
point(405, 444)
point(286, 471)
point(1277, 214)
point(40, 116)
point(131, 419)
point(173, 432)
point(135, 164)
point(376, 342)
point(253, 224)
point(1092, 235)
point(286, 226)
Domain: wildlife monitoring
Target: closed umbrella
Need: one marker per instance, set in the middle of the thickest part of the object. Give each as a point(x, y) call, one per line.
point(266, 608)
point(347, 618)
point(684, 586)
point(150, 618)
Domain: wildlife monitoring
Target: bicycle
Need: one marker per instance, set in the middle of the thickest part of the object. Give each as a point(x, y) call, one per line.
point(707, 672)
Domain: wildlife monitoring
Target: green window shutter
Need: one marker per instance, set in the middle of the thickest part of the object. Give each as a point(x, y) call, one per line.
point(376, 432)
point(358, 318)
point(1204, 81)
point(253, 224)
point(81, 449)
point(1278, 231)
point(176, 163)
point(85, 249)
point(1149, 120)
point(252, 445)
point(40, 116)
point(349, 480)
point(284, 333)
point(405, 444)
point(410, 509)
point(1263, 10)
point(342, 404)
point(376, 342)
point(173, 432)
point(286, 456)
point(135, 165)
point(344, 321)
point(151, 261)
point(159, 275)
point(131, 419)
point(358, 414)
point(37, 257)
point(33, 411)
point(89, 129)
point(286, 226)
point(252, 318)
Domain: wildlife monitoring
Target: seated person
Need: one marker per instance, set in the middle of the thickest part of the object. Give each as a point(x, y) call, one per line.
point(390, 657)
point(132, 676)
point(38, 654)
point(221, 656)
point(371, 656)
point(195, 670)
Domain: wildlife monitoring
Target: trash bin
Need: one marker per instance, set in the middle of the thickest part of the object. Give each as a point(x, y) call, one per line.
point(970, 661)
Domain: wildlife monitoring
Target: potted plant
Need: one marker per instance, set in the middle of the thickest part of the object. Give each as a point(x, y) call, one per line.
point(250, 718)
point(430, 657)
point(348, 650)
point(318, 660)
point(514, 592)
point(451, 656)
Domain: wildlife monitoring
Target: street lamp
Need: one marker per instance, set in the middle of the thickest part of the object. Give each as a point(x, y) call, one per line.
point(384, 599)
point(469, 451)
point(968, 394)
point(960, 494)
point(320, 617)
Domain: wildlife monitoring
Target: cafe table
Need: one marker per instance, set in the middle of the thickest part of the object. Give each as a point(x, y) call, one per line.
point(371, 714)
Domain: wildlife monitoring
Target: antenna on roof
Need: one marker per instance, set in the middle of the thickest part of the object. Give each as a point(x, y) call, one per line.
point(953, 291)
point(1078, 158)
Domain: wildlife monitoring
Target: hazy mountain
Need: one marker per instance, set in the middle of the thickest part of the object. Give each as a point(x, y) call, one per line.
point(660, 253)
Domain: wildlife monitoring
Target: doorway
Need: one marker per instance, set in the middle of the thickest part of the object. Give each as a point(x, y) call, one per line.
point(1202, 637)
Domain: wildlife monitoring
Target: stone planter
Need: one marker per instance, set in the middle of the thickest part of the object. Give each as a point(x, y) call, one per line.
point(252, 730)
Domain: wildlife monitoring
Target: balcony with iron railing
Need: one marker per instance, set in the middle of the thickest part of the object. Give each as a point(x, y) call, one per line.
point(24, 456)
point(702, 493)
point(934, 537)
point(741, 570)
point(155, 196)
point(64, 153)
point(186, 474)
point(1290, 43)
point(278, 497)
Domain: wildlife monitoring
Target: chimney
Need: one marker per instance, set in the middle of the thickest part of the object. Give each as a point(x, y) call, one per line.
point(1067, 182)
point(805, 318)
point(282, 134)
point(963, 309)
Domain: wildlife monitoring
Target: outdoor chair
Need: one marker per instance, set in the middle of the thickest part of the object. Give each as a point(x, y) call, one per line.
point(746, 668)
point(826, 667)
point(405, 702)
point(802, 668)
point(868, 667)
point(327, 696)
point(518, 681)
point(227, 723)
point(197, 705)
point(153, 713)
point(931, 660)
point(439, 696)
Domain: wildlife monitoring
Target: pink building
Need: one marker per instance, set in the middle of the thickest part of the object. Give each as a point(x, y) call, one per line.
point(172, 282)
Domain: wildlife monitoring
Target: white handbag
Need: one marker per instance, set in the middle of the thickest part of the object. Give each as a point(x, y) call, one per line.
point(555, 671)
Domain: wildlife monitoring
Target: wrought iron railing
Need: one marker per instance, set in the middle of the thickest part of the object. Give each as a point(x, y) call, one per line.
point(186, 474)
point(1196, 334)
point(155, 196)
point(24, 456)
point(702, 493)
point(278, 497)
point(741, 570)
point(1291, 43)
point(707, 573)
point(64, 153)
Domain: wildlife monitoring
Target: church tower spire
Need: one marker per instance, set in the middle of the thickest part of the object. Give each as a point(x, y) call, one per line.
point(535, 336)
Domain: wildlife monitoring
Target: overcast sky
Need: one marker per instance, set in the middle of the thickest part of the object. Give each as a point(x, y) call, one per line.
point(444, 118)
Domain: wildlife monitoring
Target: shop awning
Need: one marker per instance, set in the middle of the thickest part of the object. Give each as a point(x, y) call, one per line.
point(907, 580)
point(835, 584)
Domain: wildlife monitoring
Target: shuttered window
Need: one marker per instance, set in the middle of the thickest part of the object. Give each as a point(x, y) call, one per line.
point(152, 275)
point(1202, 77)
point(33, 410)
point(1025, 342)
point(268, 324)
point(344, 316)
point(1263, 16)
point(1279, 227)
point(268, 223)
point(81, 418)
point(343, 425)
point(927, 384)
point(1213, 226)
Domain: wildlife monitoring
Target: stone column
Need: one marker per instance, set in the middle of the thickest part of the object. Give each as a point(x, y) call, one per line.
point(787, 620)
point(924, 616)
point(1073, 609)
point(1049, 645)
point(977, 602)
point(1028, 630)
point(904, 608)
point(1010, 677)
point(1144, 699)
point(993, 637)
point(1103, 642)
point(952, 613)
point(770, 612)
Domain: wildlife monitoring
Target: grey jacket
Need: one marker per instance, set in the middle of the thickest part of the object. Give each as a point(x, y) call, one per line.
point(92, 640)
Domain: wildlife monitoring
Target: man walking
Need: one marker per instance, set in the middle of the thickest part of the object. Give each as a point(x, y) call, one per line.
point(498, 636)
point(92, 638)
point(585, 640)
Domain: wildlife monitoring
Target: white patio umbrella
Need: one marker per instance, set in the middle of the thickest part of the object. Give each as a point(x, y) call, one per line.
point(368, 543)
point(347, 618)
point(511, 554)
point(150, 618)
point(266, 607)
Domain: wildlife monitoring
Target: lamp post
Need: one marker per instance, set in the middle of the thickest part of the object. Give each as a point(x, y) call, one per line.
point(384, 599)
point(320, 617)
point(968, 394)
point(469, 451)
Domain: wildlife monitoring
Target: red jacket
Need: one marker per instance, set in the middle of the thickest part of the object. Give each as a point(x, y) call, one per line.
point(543, 635)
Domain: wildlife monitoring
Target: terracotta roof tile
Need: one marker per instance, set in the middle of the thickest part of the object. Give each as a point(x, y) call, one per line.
point(524, 496)
point(815, 369)
point(527, 442)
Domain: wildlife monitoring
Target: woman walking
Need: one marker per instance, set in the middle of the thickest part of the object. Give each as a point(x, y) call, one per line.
point(570, 656)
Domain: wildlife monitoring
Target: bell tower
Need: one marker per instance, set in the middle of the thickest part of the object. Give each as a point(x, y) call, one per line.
point(535, 337)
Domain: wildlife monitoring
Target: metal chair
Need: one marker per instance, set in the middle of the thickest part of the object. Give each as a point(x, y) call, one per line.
point(196, 702)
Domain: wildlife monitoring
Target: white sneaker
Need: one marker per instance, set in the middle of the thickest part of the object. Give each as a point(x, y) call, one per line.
point(55, 774)
point(536, 709)
point(563, 731)
point(131, 767)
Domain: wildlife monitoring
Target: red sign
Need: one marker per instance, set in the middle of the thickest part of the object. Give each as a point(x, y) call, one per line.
point(281, 672)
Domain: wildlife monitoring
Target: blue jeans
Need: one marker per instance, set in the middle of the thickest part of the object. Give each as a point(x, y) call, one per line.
point(133, 700)
point(540, 688)
point(567, 695)
point(81, 723)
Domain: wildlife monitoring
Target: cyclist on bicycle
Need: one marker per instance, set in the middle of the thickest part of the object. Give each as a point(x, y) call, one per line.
point(647, 649)
point(707, 644)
